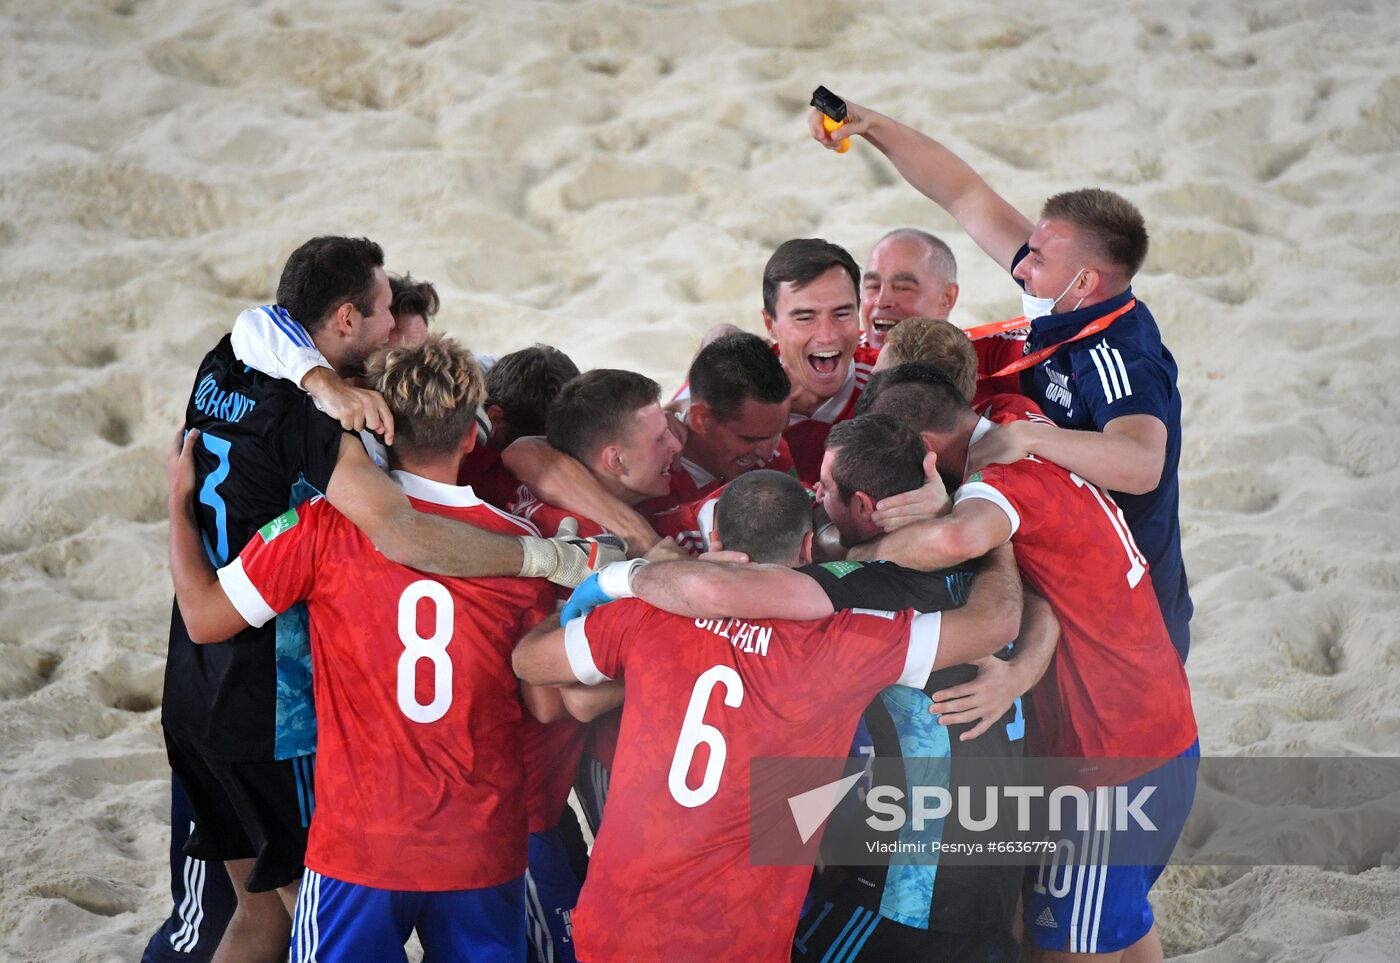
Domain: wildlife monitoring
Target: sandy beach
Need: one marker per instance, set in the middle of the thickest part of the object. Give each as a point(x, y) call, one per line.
point(610, 177)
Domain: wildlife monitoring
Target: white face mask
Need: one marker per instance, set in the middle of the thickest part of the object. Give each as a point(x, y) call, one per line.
point(1034, 307)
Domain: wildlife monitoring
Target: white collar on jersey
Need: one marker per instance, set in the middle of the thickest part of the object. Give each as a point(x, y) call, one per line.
point(980, 432)
point(427, 490)
point(697, 474)
point(830, 409)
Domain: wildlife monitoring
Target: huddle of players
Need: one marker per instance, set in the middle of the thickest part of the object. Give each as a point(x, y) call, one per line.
point(431, 765)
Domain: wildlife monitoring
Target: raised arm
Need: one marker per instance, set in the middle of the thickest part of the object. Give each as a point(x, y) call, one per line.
point(560, 480)
point(940, 175)
point(741, 591)
point(208, 614)
point(973, 528)
point(433, 543)
point(990, 619)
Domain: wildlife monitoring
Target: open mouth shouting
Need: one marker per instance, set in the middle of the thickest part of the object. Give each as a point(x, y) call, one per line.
point(825, 363)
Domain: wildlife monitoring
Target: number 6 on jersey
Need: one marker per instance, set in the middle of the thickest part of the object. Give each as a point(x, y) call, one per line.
point(694, 732)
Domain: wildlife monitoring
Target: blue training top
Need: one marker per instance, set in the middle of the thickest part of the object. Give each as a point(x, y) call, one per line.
point(1125, 370)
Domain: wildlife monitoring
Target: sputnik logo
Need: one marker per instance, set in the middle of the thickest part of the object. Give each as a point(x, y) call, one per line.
point(811, 808)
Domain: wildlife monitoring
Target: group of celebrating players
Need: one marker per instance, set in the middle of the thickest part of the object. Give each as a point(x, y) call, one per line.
point(872, 533)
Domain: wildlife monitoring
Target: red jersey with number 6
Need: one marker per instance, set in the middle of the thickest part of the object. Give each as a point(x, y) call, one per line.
point(671, 875)
point(419, 783)
point(1116, 687)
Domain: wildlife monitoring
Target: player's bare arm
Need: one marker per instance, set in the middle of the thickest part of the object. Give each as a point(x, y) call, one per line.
point(711, 590)
point(540, 657)
point(433, 543)
point(543, 703)
point(587, 702)
point(990, 619)
point(209, 615)
point(355, 408)
point(1000, 682)
point(940, 175)
point(1127, 456)
point(560, 480)
point(973, 528)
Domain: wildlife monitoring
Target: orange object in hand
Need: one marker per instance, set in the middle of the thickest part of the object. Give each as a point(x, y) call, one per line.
point(831, 126)
point(833, 110)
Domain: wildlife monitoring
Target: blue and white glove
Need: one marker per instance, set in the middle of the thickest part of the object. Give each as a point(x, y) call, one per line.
point(608, 584)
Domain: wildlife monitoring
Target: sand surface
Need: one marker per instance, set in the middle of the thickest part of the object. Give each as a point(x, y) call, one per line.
point(609, 177)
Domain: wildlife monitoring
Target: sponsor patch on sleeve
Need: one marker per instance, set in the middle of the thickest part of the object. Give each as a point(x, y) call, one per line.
point(841, 569)
point(279, 525)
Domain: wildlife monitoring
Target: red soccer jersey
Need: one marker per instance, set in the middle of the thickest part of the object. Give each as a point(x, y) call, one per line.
point(995, 352)
point(552, 750)
point(488, 476)
point(419, 784)
point(806, 434)
point(1004, 408)
point(671, 875)
point(1116, 687)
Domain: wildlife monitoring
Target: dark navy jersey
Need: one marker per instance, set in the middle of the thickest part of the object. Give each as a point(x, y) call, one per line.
point(263, 447)
point(898, 726)
point(1124, 370)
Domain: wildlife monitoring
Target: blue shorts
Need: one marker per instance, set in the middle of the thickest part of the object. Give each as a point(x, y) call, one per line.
point(1081, 898)
point(201, 895)
point(558, 862)
point(338, 921)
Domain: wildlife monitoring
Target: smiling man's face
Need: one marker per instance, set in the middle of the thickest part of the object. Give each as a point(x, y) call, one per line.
point(816, 327)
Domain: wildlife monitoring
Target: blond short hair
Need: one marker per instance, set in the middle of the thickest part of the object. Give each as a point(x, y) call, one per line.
point(939, 343)
point(432, 390)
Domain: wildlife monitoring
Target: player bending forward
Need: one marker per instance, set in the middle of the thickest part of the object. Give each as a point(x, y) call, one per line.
point(420, 817)
point(671, 875)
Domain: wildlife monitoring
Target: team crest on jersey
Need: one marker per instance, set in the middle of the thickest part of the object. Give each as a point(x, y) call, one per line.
point(974, 477)
point(841, 569)
point(279, 525)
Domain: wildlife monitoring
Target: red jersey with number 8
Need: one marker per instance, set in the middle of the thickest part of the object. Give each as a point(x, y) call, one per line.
point(671, 875)
point(419, 781)
point(1116, 687)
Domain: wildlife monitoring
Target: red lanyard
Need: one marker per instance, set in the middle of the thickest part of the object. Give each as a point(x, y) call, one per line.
point(1035, 358)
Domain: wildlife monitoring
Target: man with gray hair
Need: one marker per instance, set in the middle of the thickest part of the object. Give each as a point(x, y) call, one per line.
point(910, 273)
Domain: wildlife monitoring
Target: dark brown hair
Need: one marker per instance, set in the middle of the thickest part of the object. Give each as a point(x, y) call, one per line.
point(801, 261)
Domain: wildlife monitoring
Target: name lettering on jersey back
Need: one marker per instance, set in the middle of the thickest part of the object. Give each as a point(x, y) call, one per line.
point(217, 403)
point(744, 636)
point(1058, 389)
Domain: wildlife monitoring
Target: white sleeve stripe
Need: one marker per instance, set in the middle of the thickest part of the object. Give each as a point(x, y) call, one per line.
point(924, 633)
point(1122, 370)
point(1105, 365)
point(580, 655)
point(1112, 374)
point(1103, 375)
point(983, 490)
point(245, 595)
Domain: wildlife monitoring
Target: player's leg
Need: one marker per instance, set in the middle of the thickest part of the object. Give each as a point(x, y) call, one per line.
point(480, 925)
point(558, 863)
point(1146, 950)
point(339, 922)
point(258, 930)
point(257, 927)
point(1090, 898)
point(274, 802)
point(201, 898)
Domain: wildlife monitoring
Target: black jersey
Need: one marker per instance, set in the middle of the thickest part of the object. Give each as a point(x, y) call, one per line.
point(898, 726)
point(263, 447)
